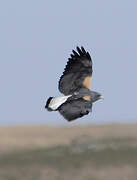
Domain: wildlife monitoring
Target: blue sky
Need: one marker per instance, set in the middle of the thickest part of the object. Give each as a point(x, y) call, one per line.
point(36, 38)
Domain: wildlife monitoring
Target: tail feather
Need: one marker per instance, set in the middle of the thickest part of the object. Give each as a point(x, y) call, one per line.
point(47, 104)
point(53, 103)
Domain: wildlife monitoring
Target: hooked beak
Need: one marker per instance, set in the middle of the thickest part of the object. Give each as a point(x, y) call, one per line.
point(101, 97)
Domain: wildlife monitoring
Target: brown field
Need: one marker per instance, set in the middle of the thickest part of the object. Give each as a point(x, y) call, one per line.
point(95, 152)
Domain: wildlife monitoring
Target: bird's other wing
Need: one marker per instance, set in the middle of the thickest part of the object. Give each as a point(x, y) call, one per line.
point(74, 109)
point(77, 72)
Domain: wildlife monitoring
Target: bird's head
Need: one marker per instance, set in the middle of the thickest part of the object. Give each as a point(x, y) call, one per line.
point(96, 96)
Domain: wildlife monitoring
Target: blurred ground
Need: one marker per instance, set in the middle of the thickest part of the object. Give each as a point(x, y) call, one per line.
point(103, 152)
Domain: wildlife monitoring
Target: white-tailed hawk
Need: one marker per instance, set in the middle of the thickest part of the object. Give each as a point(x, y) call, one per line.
point(75, 85)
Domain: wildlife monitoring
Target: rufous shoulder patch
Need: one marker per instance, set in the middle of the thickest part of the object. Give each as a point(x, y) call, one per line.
point(87, 82)
point(87, 98)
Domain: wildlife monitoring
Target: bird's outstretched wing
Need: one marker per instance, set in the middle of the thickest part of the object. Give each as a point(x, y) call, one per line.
point(74, 109)
point(77, 72)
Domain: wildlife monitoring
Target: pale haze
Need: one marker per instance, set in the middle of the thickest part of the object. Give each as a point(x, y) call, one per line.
point(36, 39)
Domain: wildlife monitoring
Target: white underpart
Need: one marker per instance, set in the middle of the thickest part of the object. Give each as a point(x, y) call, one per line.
point(57, 101)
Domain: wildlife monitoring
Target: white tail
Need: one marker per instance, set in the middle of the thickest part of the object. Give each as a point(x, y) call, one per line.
point(55, 102)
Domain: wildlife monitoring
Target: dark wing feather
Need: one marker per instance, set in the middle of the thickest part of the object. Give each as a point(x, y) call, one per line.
point(74, 109)
point(78, 67)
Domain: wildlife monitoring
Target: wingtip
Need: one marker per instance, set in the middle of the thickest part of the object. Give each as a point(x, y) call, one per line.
point(83, 49)
point(75, 53)
point(79, 50)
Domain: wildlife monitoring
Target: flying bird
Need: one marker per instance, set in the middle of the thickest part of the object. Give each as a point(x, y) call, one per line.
point(75, 85)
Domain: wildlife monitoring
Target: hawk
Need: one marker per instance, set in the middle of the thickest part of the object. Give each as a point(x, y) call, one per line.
point(75, 85)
